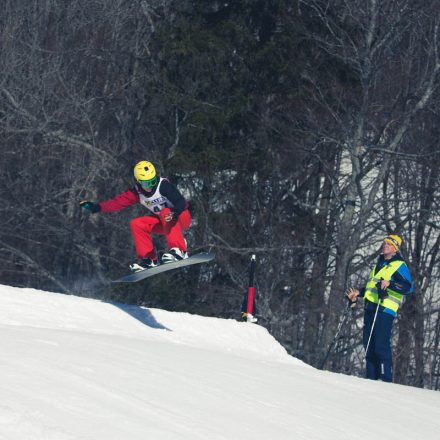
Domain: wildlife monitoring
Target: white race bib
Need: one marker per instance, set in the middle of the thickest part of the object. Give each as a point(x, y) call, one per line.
point(156, 202)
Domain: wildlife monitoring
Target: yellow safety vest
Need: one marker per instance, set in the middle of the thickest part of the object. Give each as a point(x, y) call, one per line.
point(394, 299)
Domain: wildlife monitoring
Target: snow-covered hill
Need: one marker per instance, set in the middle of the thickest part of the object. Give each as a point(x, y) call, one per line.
point(73, 368)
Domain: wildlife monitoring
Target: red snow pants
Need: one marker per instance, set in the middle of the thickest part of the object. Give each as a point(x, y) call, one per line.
point(143, 227)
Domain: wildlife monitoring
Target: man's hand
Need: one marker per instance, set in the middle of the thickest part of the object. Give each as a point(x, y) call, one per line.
point(382, 289)
point(90, 206)
point(384, 284)
point(352, 295)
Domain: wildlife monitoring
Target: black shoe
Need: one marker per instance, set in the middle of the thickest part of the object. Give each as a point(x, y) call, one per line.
point(142, 264)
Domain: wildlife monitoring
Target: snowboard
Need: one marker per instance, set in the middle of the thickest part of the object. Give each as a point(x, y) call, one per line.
point(202, 257)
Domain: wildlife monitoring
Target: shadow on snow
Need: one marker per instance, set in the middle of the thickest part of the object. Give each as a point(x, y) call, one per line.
point(141, 314)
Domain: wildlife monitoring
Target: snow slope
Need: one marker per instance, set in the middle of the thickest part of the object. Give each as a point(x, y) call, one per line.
point(73, 368)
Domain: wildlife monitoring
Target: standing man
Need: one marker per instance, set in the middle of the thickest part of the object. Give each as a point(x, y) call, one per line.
point(389, 281)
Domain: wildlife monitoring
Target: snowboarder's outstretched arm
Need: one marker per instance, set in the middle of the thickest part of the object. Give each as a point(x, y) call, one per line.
point(118, 203)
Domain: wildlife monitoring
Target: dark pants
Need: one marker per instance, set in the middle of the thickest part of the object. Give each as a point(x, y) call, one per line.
point(379, 357)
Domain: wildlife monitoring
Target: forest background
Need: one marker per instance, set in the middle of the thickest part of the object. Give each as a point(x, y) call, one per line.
point(301, 131)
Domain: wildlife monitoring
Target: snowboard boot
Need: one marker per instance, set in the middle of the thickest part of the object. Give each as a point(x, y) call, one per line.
point(174, 254)
point(142, 264)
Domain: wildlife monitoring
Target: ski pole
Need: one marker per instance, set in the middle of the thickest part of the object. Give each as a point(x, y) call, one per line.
point(372, 328)
point(350, 305)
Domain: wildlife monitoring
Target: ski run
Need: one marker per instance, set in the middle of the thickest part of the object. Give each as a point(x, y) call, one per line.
point(80, 369)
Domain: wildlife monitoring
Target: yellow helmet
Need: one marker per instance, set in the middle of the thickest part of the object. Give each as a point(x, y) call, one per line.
point(145, 174)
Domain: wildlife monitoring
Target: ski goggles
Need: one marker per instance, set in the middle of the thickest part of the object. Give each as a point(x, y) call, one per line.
point(146, 184)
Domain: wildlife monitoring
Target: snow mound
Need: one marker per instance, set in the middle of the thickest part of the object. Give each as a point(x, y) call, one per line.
point(80, 369)
point(48, 310)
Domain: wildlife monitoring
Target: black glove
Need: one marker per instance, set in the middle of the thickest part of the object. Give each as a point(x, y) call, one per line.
point(381, 293)
point(90, 206)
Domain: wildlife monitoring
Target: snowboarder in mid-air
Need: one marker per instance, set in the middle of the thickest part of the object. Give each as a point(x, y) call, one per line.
point(168, 216)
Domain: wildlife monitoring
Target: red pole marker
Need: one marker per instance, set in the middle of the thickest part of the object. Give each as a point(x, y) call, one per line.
point(251, 292)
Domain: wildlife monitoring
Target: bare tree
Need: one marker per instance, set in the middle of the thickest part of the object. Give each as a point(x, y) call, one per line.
point(391, 48)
